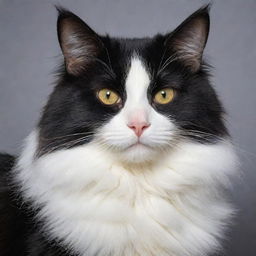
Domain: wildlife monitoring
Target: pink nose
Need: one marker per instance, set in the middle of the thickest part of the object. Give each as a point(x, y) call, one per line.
point(138, 127)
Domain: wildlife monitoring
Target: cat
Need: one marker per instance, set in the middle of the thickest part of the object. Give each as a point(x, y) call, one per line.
point(131, 156)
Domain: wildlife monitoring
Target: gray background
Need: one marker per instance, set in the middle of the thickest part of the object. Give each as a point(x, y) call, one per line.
point(29, 53)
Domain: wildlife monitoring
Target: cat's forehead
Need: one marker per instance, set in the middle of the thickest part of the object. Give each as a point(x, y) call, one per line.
point(129, 45)
point(134, 61)
point(138, 77)
point(122, 51)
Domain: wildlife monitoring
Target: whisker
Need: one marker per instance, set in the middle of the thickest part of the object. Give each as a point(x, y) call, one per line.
point(169, 60)
point(48, 149)
point(65, 136)
point(107, 68)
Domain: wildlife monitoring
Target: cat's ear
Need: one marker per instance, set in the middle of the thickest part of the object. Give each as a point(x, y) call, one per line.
point(79, 43)
point(188, 40)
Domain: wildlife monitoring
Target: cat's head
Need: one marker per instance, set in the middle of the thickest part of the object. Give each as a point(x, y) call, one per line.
point(134, 98)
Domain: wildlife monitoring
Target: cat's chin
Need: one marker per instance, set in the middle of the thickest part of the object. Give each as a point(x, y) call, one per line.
point(138, 153)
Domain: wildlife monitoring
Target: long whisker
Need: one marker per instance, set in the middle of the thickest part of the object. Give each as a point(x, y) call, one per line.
point(107, 68)
point(68, 144)
point(65, 136)
point(169, 60)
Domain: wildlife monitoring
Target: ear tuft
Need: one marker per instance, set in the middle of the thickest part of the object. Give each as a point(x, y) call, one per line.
point(188, 40)
point(79, 43)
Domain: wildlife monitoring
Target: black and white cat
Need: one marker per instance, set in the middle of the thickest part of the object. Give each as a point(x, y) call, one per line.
point(131, 156)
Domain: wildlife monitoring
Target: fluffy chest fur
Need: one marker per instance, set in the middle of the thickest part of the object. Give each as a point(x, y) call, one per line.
point(95, 205)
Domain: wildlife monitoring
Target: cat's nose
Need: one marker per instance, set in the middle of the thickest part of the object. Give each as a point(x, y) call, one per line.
point(138, 127)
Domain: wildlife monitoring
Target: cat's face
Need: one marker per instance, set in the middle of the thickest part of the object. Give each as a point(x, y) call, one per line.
point(135, 98)
point(138, 131)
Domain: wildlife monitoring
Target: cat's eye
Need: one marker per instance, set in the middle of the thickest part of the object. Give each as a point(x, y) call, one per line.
point(108, 97)
point(164, 96)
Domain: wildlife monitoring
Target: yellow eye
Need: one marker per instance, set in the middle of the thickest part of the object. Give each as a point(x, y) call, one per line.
point(164, 96)
point(108, 97)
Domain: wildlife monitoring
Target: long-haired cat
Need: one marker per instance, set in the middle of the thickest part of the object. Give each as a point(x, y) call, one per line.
point(131, 156)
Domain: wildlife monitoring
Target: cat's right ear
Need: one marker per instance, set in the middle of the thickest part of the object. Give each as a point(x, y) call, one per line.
point(79, 43)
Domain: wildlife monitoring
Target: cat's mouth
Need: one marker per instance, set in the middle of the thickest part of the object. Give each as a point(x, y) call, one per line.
point(138, 145)
point(137, 152)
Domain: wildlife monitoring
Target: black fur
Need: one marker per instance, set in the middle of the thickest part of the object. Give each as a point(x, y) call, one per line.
point(20, 234)
point(73, 110)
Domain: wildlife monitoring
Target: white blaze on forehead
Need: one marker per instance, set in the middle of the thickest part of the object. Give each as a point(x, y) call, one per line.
point(137, 82)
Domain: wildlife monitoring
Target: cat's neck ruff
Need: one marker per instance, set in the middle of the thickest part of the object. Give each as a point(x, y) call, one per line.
point(94, 205)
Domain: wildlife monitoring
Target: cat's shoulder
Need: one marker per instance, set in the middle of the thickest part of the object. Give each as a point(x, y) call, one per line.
point(6, 163)
point(19, 233)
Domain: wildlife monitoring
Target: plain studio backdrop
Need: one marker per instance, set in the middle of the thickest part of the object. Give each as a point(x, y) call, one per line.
point(29, 54)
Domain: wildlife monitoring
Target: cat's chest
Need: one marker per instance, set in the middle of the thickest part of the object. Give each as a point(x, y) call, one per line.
point(98, 207)
point(120, 211)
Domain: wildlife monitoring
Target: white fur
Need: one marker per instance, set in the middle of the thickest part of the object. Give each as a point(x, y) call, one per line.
point(112, 197)
point(95, 204)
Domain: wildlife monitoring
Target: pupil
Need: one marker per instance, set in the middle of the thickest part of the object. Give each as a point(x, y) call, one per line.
point(108, 94)
point(163, 93)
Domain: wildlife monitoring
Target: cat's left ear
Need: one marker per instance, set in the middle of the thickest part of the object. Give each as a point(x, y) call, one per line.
point(79, 43)
point(188, 40)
